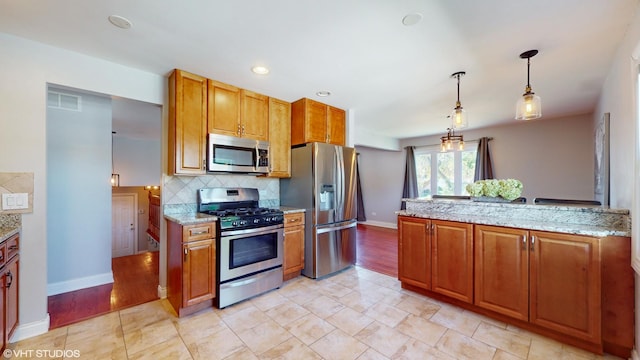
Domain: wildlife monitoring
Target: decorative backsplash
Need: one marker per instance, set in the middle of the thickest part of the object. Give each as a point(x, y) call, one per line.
point(180, 191)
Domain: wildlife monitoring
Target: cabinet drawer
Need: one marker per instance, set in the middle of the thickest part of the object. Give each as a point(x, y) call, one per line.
point(198, 232)
point(13, 246)
point(294, 219)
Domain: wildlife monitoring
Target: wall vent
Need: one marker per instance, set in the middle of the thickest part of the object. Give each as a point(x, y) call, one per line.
point(58, 100)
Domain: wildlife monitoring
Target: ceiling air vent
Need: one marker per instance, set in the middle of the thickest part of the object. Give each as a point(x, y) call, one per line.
point(57, 100)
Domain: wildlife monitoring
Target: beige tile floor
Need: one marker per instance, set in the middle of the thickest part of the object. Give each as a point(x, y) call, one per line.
point(356, 314)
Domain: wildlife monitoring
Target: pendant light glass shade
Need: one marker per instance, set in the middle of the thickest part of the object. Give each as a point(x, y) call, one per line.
point(459, 119)
point(529, 106)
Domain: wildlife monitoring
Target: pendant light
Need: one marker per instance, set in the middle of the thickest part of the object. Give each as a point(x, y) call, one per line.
point(459, 115)
point(447, 142)
point(529, 106)
point(115, 178)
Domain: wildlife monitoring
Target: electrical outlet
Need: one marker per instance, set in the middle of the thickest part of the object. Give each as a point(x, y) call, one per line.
point(16, 201)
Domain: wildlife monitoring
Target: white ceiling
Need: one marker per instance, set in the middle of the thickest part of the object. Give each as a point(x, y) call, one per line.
point(395, 78)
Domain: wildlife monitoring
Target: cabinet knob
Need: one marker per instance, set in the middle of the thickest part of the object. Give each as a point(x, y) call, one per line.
point(10, 275)
point(533, 241)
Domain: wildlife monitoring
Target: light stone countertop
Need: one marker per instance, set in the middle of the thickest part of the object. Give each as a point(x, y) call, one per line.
point(190, 218)
point(7, 232)
point(581, 220)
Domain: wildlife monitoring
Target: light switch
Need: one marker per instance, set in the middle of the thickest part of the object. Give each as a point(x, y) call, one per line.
point(16, 201)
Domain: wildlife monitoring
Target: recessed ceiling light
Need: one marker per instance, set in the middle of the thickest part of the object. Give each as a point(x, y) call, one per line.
point(411, 19)
point(260, 70)
point(323, 93)
point(120, 21)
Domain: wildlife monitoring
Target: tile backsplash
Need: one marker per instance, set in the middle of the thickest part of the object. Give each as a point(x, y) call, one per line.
point(179, 192)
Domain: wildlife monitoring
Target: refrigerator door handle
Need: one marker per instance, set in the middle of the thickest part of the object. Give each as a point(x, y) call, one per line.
point(340, 184)
point(323, 230)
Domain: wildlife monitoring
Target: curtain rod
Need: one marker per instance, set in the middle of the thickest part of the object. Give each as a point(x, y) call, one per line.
point(489, 138)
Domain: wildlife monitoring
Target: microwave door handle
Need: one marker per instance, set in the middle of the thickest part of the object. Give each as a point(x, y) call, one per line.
point(256, 160)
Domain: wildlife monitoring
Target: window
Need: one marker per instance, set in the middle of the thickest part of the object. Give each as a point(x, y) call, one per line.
point(445, 173)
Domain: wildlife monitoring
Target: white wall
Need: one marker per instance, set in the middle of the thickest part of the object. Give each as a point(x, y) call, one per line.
point(79, 195)
point(552, 157)
point(25, 69)
point(138, 160)
point(381, 178)
point(620, 98)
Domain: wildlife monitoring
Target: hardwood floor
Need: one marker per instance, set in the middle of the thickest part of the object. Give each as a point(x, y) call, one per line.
point(136, 279)
point(135, 282)
point(377, 249)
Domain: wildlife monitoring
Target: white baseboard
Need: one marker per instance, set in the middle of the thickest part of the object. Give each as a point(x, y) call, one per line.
point(162, 292)
point(634, 355)
point(25, 331)
point(380, 224)
point(80, 283)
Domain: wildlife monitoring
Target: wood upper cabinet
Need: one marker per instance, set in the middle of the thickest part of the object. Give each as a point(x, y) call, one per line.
point(293, 260)
point(223, 108)
point(254, 117)
point(336, 126)
point(279, 138)
point(237, 112)
point(187, 123)
point(452, 259)
point(414, 251)
point(191, 266)
point(313, 121)
point(565, 284)
point(502, 270)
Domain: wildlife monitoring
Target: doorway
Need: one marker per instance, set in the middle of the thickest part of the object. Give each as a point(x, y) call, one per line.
point(80, 150)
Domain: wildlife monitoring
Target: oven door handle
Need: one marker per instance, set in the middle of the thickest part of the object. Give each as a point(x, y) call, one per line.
point(253, 231)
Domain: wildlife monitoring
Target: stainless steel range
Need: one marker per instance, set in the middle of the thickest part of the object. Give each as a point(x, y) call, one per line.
point(249, 243)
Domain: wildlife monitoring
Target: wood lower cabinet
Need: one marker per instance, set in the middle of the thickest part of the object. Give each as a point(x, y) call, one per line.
point(9, 284)
point(502, 270)
point(187, 123)
point(573, 288)
point(293, 259)
point(279, 138)
point(191, 266)
point(452, 259)
point(313, 121)
point(414, 251)
point(564, 284)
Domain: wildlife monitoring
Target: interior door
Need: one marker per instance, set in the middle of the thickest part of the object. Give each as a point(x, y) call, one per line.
point(123, 225)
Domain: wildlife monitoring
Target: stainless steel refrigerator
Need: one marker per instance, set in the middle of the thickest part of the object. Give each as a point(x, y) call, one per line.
point(323, 182)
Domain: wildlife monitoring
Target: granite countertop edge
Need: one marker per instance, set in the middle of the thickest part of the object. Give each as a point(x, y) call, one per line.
point(521, 224)
point(7, 232)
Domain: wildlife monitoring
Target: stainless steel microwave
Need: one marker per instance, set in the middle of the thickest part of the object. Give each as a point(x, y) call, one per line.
point(229, 154)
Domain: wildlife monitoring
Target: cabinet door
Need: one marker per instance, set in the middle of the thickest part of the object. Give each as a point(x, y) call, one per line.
point(502, 270)
point(187, 123)
point(198, 271)
point(223, 109)
point(452, 259)
point(293, 249)
point(254, 117)
point(279, 138)
point(565, 284)
point(336, 126)
point(11, 304)
point(414, 251)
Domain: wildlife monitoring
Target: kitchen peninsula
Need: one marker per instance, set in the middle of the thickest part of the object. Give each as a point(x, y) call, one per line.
point(561, 271)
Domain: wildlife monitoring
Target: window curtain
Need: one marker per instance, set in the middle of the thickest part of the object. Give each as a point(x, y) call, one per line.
point(410, 189)
point(484, 167)
point(361, 214)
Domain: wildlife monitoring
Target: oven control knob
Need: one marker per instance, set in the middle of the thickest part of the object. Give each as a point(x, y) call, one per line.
point(235, 223)
point(243, 222)
point(275, 218)
point(255, 221)
point(267, 219)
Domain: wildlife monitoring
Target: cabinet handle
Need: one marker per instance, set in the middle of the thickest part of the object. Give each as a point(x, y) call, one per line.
point(13, 247)
point(243, 132)
point(524, 242)
point(293, 220)
point(186, 252)
point(10, 275)
point(204, 164)
point(533, 242)
point(199, 232)
point(238, 128)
